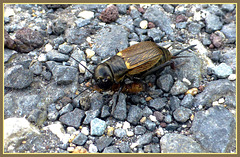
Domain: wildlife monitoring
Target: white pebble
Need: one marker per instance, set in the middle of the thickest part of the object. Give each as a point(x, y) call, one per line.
point(48, 47)
point(144, 24)
point(86, 14)
point(186, 81)
point(232, 77)
point(42, 58)
point(131, 43)
point(70, 149)
point(118, 125)
point(92, 148)
point(152, 118)
point(200, 107)
point(85, 131)
point(221, 101)
point(81, 68)
point(70, 130)
point(126, 125)
point(89, 53)
point(215, 103)
point(159, 132)
point(133, 145)
point(130, 133)
point(9, 12)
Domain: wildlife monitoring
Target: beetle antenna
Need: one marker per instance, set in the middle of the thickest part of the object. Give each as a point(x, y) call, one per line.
point(183, 50)
point(82, 65)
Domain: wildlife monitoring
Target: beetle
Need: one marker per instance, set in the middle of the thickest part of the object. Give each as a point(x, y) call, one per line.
point(137, 60)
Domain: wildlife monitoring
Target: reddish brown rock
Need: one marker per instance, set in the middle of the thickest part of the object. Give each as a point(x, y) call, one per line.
point(110, 14)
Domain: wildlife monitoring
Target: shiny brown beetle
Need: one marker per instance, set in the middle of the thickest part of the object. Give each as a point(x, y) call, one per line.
point(138, 60)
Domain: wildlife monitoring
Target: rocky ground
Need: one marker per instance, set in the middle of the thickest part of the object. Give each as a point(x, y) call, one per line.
point(191, 109)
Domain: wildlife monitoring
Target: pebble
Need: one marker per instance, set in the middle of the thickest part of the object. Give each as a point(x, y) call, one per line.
point(139, 130)
point(81, 68)
point(71, 130)
point(48, 47)
point(70, 149)
point(143, 24)
point(65, 49)
point(153, 118)
point(82, 22)
point(90, 115)
point(105, 111)
point(157, 103)
point(42, 57)
point(120, 109)
point(85, 131)
point(111, 149)
point(73, 118)
point(178, 88)
point(174, 103)
point(103, 141)
point(155, 34)
point(221, 101)
point(232, 77)
point(147, 111)
point(192, 91)
point(168, 118)
point(159, 116)
point(188, 101)
point(228, 7)
point(150, 125)
point(182, 114)
point(66, 109)
point(90, 53)
point(124, 147)
point(97, 126)
point(120, 133)
point(186, 81)
point(126, 125)
point(92, 148)
point(213, 23)
point(194, 28)
point(86, 14)
point(80, 139)
point(222, 70)
point(130, 133)
point(36, 68)
point(159, 132)
point(144, 139)
point(54, 55)
point(110, 131)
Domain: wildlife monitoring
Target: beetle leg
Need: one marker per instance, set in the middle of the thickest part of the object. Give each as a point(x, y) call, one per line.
point(157, 68)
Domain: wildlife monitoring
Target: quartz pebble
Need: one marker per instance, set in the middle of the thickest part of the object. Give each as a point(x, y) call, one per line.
point(144, 24)
point(86, 14)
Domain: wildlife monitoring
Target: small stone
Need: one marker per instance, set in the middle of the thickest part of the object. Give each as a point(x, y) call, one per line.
point(86, 14)
point(103, 142)
point(215, 103)
point(188, 101)
point(71, 130)
point(221, 101)
point(143, 24)
point(124, 147)
point(120, 133)
point(152, 118)
point(232, 77)
point(228, 7)
point(36, 68)
point(105, 111)
point(159, 116)
point(54, 55)
point(120, 111)
point(159, 132)
point(110, 131)
point(97, 127)
point(178, 88)
point(143, 119)
point(144, 139)
point(111, 149)
point(81, 68)
point(174, 103)
point(85, 131)
point(157, 103)
point(186, 81)
point(73, 118)
point(65, 49)
point(92, 148)
point(130, 133)
point(192, 91)
point(134, 114)
point(222, 70)
point(82, 22)
point(147, 111)
point(90, 115)
point(48, 47)
point(165, 82)
point(182, 114)
point(110, 14)
point(66, 109)
point(89, 53)
point(42, 57)
point(70, 149)
point(126, 125)
point(150, 125)
point(168, 118)
point(80, 139)
point(139, 130)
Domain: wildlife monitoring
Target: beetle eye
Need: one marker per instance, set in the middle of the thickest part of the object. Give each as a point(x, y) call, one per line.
point(105, 80)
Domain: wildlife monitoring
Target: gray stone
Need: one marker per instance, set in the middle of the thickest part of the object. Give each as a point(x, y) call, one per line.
point(53, 113)
point(181, 25)
point(80, 139)
point(229, 30)
point(168, 118)
point(147, 111)
point(182, 114)
point(215, 90)
point(120, 133)
point(144, 139)
point(187, 101)
point(194, 28)
point(105, 47)
point(65, 49)
point(64, 74)
point(76, 35)
point(103, 142)
point(111, 149)
point(165, 82)
point(222, 70)
point(36, 68)
point(213, 23)
point(105, 111)
point(97, 126)
point(90, 115)
point(120, 111)
point(214, 129)
point(82, 22)
point(174, 103)
point(8, 54)
point(157, 103)
point(155, 34)
point(228, 7)
point(178, 88)
point(177, 143)
point(73, 118)
point(126, 21)
point(134, 114)
point(54, 55)
point(139, 130)
point(124, 147)
point(66, 109)
point(17, 77)
point(168, 8)
point(150, 125)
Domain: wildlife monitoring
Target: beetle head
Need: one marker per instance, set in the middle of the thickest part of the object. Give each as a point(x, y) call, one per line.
point(103, 77)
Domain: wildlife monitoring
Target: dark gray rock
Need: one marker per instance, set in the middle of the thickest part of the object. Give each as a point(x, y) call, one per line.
point(46, 75)
point(120, 111)
point(57, 41)
point(187, 101)
point(214, 129)
point(103, 142)
point(111, 149)
point(215, 90)
point(53, 113)
point(105, 47)
point(120, 133)
point(82, 22)
point(215, 56)
point(73, 118)
point(126, 21)
point(178, 88)
point(206, 41)
point(64, 74)
point(90, 115)
point(135, 13)
point(168, 8)
point(157, 103)
point(159, 18)
point(134, 114)
point(229, 58)
point(159, 116)
point(66, 109)
point(174, 103)
point(168, 118)
point(97, 126)
point(147, 111)
point(65, 49)
point(144, 139)
point(122, 8)
point(8, 54)
point(80, 139)
point(181, 25)
point(139, 130)
point(150, 125)
point(17, 77)
point(194, 28)
point(213, 23)
point(78, 55)
point(54, 55)
point(177, 143)
point(230, 31)
point(182, 114)
point(96, 101)
point(165, 82)
point(36, 68)
point(105, 111)
point(124, 147)
point(155, 148)
point(51, 64)
point(37, 116)
point(76, 35)
point(155, 34)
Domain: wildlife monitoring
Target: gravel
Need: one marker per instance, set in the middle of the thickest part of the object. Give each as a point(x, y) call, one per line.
point(46, 90)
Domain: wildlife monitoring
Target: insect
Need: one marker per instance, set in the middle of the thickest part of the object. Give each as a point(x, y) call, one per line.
point(138, 60)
